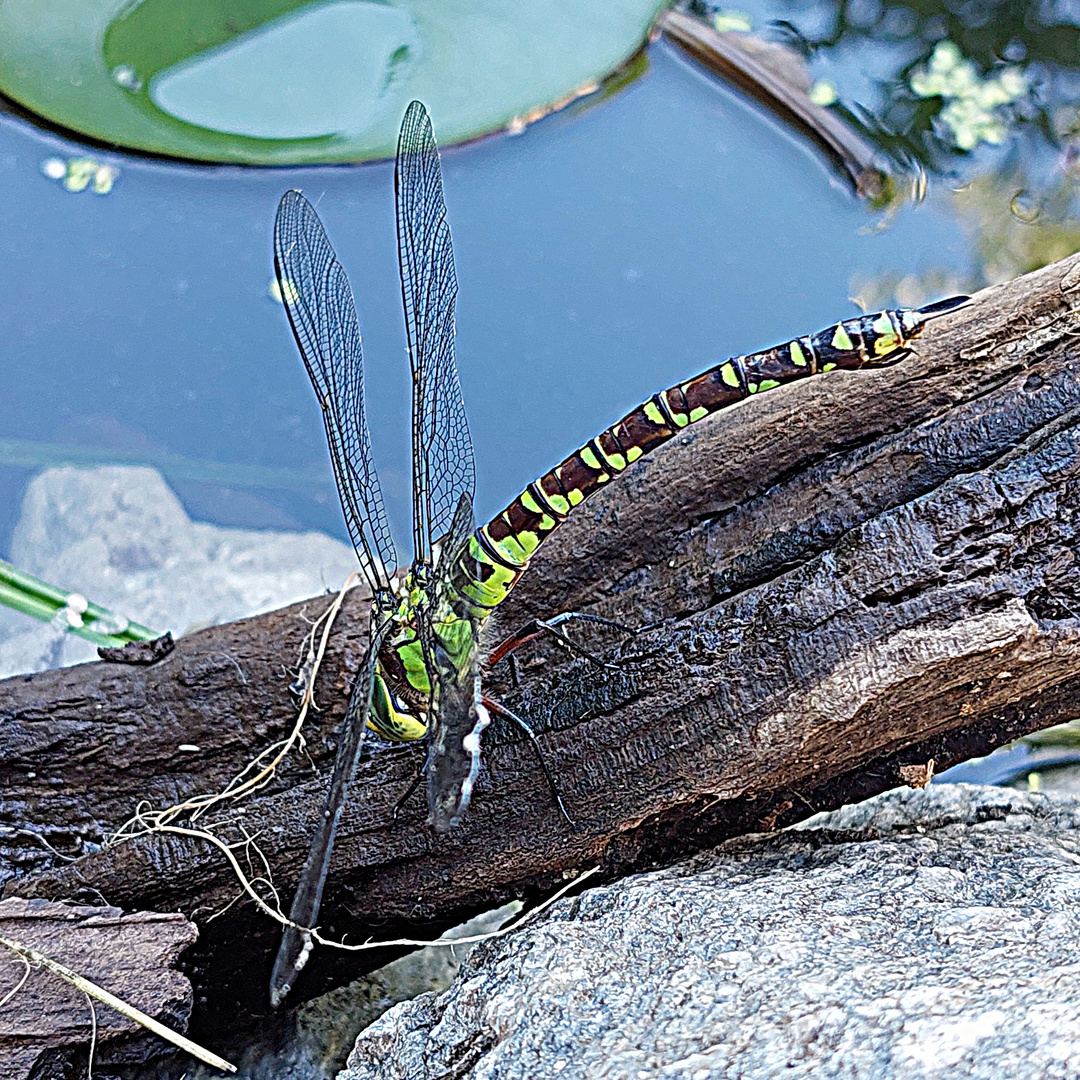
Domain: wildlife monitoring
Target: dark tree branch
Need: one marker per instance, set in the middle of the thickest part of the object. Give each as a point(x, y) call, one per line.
point(858, 573)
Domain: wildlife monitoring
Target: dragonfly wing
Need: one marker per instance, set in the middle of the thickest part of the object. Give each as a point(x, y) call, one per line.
point(453, 543)
point(456, 717)
point(443, 467)
point(296, 944)
point(319, 302)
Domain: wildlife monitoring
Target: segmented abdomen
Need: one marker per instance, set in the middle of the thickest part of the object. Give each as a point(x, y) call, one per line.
point(498, 553)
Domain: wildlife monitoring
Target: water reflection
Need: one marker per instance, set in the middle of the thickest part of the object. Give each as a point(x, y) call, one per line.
point(929, 81)
point(983, 96)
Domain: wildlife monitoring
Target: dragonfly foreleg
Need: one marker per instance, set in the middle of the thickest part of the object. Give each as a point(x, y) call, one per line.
point(526, 728)
point(418, 776)
point(535, 627)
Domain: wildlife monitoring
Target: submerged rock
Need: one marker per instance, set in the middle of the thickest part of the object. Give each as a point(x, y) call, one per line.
point(919, 934)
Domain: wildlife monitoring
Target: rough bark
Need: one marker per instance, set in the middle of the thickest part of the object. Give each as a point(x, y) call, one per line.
point(132, 956)
point(851, 575)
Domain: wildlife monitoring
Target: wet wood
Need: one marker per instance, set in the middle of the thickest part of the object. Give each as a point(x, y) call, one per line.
point(46, 1025)
point(852, 576)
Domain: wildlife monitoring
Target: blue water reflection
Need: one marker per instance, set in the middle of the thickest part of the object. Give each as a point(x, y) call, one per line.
point(601, 255)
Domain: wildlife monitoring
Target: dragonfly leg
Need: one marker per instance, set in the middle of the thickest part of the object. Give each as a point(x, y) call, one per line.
point(502, 710)
point(413, 785)
point(535, 627)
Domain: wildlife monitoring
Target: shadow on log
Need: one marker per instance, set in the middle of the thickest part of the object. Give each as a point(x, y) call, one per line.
point(857, 573)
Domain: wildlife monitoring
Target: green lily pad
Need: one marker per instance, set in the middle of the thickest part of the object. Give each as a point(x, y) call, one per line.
point(279, 82)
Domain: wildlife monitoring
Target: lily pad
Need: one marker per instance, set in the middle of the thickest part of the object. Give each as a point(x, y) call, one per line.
point(277, 82)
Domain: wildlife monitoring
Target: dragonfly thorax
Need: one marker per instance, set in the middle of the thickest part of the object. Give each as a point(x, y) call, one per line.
point(401, 695)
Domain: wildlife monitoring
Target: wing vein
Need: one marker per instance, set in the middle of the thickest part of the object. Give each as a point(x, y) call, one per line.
point(322, 314)
point(443, 468)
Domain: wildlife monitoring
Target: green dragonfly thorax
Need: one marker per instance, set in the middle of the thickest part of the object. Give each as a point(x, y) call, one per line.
point(401, 705)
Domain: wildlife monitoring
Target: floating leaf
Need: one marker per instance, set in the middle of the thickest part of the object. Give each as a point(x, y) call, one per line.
point(295, 81)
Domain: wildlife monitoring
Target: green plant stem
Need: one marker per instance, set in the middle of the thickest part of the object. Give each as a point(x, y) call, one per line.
point(30, 595)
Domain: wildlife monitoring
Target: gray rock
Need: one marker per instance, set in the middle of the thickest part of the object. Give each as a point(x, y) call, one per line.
point(119, 536)
point(920, 934)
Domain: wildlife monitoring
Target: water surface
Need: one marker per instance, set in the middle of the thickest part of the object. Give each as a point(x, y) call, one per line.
point(601, 255)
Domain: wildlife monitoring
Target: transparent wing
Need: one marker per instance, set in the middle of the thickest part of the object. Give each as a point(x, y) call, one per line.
point(322, 314)
point(296, 945)
point(456, 717)
point(462, 526)
point(442, 447)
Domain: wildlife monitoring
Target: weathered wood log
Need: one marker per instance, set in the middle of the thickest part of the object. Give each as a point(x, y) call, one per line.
point(132, 956)
point(858, 573)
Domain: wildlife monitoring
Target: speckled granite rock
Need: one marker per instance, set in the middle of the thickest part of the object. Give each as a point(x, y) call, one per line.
point(920, 934)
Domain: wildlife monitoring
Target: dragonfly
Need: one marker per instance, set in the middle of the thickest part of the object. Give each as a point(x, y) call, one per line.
point(421, 674)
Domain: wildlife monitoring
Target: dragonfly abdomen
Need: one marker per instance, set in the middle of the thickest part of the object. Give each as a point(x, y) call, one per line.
point(498, 553)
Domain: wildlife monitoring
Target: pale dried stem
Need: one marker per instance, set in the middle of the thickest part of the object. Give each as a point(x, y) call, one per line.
point(92, 990)
point(157, 820)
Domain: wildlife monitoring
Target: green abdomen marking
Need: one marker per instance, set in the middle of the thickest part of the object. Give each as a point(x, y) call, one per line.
point(499, 552)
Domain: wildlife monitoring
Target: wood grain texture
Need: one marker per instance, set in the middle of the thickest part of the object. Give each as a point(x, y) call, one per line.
point(854, 574)
point(132, 956)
